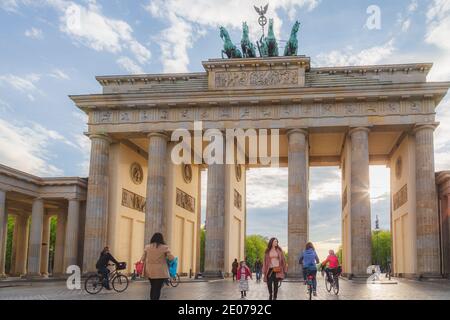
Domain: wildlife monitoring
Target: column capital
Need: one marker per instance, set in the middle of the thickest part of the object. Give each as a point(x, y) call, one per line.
point(161, 134)
point(303, 131)
point(73, 198)
point(356, 129)
point(101, 136)
point(424, 126)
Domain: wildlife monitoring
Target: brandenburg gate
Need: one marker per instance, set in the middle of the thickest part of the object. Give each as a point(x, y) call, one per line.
point(350, 117)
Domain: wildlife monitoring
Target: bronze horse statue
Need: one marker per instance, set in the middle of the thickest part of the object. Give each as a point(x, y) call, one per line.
point(248, 48)
point(229, 48)
point(292, 45)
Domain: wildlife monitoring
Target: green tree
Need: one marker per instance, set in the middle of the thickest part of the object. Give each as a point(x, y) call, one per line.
point(381, 247)
point(202, 249)
point(9, 243)
point(339, 255)
point(255, 246)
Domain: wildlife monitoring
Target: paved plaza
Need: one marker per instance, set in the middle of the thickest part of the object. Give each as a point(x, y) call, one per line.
point(227, 290)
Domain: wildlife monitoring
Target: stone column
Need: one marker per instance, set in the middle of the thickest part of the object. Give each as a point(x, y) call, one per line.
point(3, 232)
point(58, 264)
point(21, 245)
point(97, 201)
point(199, 221)
point(360, 221)
point(298, 193)
point(427, 223)
point(71, 240)
point(215, 219)
point(155, 219)
point(45, 248)
point(34, 252)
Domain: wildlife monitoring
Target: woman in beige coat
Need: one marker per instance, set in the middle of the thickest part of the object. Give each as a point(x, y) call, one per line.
point(155, 264)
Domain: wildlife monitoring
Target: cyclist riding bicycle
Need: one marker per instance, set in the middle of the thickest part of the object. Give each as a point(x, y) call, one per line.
point(102, 266)
point(309, 259)
point(331, 265)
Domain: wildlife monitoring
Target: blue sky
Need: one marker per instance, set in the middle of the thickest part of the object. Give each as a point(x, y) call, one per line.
point(52, 48)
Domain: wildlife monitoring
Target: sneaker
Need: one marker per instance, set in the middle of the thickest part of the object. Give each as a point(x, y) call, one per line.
point(314, 293)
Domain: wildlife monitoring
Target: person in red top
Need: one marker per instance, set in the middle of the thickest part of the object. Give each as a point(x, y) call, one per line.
point(243, 274)
point(331, 264)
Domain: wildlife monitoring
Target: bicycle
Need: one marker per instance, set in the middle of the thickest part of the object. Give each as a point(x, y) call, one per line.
point(119, 282)
point(310, 284)
point(332, 281)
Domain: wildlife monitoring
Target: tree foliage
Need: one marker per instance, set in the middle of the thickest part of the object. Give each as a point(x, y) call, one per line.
point(381, 247)
point(255, 246)
point(202, 249)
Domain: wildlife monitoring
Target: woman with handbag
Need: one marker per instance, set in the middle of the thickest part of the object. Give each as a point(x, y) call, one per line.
point(274, 267)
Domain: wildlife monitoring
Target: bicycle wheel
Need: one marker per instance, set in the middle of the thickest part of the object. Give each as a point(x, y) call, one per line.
point(175, 281)
point(328, 284)
point(310, 290)
point(336, 286)
point(93, 284)
point(120, 283)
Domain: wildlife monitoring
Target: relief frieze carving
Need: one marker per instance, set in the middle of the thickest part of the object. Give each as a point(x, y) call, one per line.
point(185, 201)
point(261, 112)
point(269, 78)
point(133, 201)
point(401, 197)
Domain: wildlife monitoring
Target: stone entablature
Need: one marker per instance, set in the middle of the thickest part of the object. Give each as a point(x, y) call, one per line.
point(262, 112)
point(65, 187)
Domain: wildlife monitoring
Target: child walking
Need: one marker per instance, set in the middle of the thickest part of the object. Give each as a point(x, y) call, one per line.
point(243, 275)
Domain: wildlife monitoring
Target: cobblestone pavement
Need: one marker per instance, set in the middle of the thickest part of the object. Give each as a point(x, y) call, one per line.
point(227, 290)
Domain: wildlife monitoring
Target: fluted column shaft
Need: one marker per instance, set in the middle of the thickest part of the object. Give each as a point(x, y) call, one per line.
point(215, 219)
point(298, 202)
point(97, 202)
point(58, 265)
point(155, 219)
point(15, 243)
point(3, 232)
point(21, 245)
point(45, 248)
point(34, 252)
point(361, 233)
point(427, 223)
point(71, 241)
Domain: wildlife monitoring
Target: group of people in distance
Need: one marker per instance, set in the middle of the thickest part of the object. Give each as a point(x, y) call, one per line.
point(274, 268)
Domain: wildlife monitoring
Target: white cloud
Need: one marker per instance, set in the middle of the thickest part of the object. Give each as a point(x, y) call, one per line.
point(438, 30)
point(9, 5)
point(129, 65)
point(34, 33)
point(27, 147)
point(59, 74)
point(4, 105)
point(350, 56)
point(87, 25)
point(24, 84)
point(187, 19)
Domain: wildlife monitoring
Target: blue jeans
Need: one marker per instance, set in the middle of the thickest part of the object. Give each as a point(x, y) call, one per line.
point(105, 273)
point(311, 271)
point(258, 274)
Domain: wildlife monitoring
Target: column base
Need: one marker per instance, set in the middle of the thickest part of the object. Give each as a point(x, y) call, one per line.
point(213, 274)
point(32, 276)
point(3, 276)
point(295, 276)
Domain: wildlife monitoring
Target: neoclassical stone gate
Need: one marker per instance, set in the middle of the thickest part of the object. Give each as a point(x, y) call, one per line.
point(349, 117)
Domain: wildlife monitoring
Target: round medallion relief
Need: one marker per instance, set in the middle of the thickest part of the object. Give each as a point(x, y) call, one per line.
point(136, 173)
point(398, 167)
point(238, 172)
point(186, 170)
